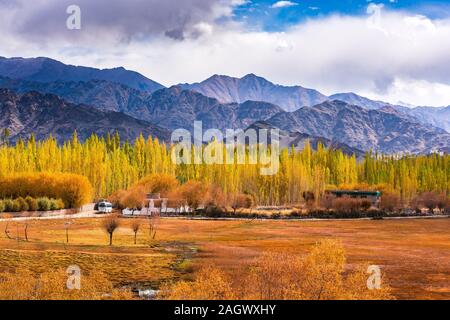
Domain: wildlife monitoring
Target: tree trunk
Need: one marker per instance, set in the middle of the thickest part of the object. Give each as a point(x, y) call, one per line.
point(67, 235)
point(135, 235)
point(110, 238)
point(7, 231)
point(26, 232)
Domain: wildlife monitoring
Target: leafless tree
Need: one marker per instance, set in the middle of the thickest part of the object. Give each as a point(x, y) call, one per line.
point(442, 202)
point(153, 221)
point(136, 226)
point(26, 225)
point(428, 200)
point(389, 202)
point(67, 225)
point(110, 224)
point(240, 201)
point(7, 217)
point(26, 231)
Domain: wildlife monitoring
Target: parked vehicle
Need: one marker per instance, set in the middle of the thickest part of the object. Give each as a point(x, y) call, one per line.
point(105, 207)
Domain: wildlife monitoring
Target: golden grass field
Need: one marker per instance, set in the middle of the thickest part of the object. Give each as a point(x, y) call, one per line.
point(414, 254)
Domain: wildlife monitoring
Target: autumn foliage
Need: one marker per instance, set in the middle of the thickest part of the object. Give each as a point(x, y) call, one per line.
point(74, 190)
point(321, 275)
point(111, 165)
point(136, 195)
point(52, 285)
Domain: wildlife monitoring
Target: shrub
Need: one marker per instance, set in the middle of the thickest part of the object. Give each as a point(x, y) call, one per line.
point(9, 205)
point(60, 204)
point(26, 284)
point(43, 204)
point(350, 207)
point(53, 204)
point(296, 213)
point(389, 202)
point(2, 206)
point(134, 198)
point(430, 200)
point(74, 190)
point(240, 201)
point(321, 275)
point(117, 197)
point(194, 193)
point(16, 206)
point(23, 205)
point(32, 203)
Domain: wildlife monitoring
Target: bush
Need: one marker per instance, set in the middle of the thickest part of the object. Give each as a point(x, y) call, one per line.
point(43, 204)
point(16, 206)
point(56, 204)
point(74, 190)
point(32, 203)
point(60, 204)
point(9, 205)
point(53, 205)
point(23, 205)
point(320, 275)
point(390, 202)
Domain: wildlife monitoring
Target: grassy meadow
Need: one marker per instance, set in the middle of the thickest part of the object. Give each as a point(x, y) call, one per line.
point(414, 254)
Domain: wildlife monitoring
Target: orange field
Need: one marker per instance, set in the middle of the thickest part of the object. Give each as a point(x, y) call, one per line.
point(414, 254)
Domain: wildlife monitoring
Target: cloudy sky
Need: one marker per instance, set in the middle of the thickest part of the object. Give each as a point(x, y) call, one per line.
point(393, 50)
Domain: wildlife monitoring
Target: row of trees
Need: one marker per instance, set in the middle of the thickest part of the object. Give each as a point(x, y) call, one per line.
point(74, 190)
point(111, 165)
point(389, 203)
point(193, 194)
point(109, 225)
point(31, 204)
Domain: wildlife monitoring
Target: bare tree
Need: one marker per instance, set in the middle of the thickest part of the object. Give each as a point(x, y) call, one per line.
point(7, 217)
point(26, 231)
point(442, 201)
point(136, 226)
point(327, 202)
point(67, 225)
point(110, 224)
point(153, 221)
point(240, 201)
point(26, 225)
point(390, 202)
point(428, 200)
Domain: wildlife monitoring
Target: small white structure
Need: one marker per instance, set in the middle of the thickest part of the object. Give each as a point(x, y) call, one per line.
point(142, 212)
point(154, 205)
point(105, 207)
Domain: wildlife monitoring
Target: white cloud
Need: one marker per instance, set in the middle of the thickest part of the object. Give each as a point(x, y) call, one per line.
point(283, 4)
point(406, 57)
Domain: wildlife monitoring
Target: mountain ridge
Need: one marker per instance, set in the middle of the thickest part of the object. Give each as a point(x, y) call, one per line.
point(228, 89)
point(364, 129)
point(44, 69)
point(46, 114)
point(358, 122)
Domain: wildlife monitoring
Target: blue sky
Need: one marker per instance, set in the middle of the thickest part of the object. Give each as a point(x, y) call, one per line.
point(259, 14)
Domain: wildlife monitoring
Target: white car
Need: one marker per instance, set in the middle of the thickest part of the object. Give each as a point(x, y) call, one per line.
point(105, 207)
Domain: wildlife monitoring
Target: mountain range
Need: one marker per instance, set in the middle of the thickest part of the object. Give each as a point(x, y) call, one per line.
point(388, 132)
point(45, 114)
point(251, 87)
point(63, 98)
point(48, 70)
